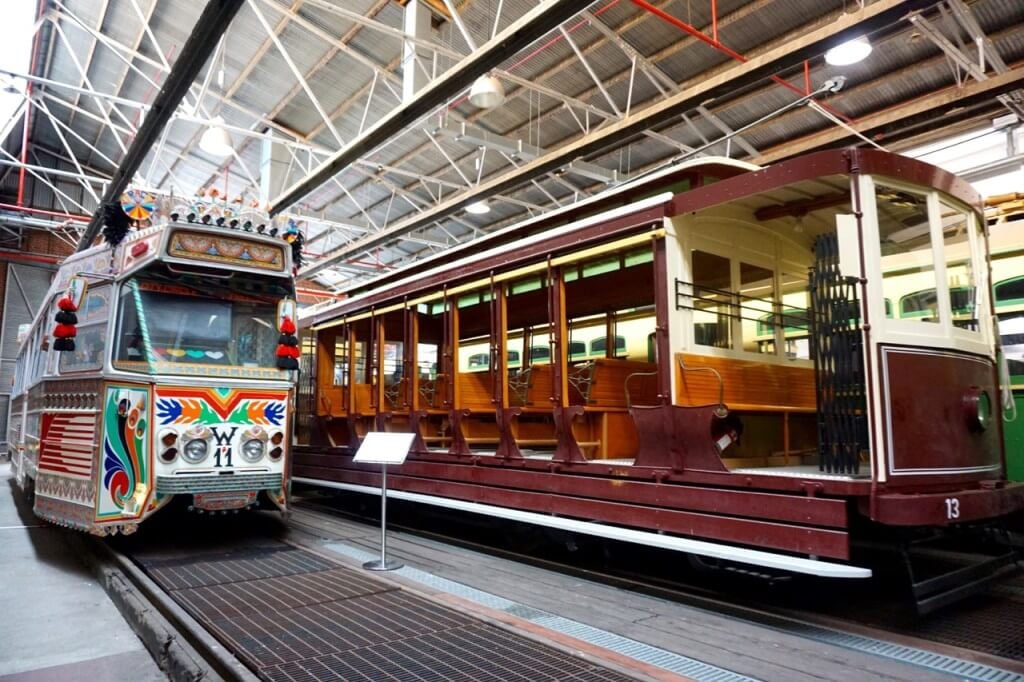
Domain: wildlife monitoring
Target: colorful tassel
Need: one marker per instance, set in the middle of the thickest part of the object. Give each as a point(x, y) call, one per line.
point(287, 345)
point(65, 331)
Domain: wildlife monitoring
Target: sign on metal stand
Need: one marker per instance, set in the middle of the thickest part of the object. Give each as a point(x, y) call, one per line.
point(383, 448)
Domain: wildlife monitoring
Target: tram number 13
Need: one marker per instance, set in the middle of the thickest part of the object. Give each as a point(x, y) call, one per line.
point(952, 508)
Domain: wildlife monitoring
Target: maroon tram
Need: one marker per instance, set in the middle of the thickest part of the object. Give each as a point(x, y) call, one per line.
point(705, 359)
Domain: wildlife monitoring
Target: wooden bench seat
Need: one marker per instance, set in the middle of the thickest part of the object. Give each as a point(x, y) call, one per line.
point(750, 385)
point(601, 383)
point(474, 391)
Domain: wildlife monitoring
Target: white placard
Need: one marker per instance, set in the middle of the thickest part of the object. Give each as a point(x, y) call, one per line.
point(380, 447)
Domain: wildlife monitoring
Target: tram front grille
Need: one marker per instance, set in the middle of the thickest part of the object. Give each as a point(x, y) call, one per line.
point(178, 485)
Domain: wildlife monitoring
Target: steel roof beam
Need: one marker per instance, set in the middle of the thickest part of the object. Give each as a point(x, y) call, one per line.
point(200, 45)
point(934, 105)
point(812, 44)
point(524, 31)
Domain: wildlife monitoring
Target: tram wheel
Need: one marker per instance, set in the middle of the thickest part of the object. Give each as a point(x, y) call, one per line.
point(30, 490)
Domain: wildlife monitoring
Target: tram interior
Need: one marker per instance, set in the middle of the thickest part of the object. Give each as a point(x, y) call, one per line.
point(743, 312)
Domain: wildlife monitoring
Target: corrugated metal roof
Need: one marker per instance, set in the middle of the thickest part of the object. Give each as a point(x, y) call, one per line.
point(260, 91)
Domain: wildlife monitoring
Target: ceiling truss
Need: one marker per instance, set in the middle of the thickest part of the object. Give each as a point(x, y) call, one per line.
point(593, 97)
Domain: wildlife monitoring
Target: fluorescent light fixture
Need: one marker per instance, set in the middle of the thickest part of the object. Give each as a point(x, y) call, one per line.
point(487, 92)
point(850, 52)
point(478, 208)
point(215, 139)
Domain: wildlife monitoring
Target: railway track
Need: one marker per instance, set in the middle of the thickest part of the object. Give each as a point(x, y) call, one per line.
point(986, 630)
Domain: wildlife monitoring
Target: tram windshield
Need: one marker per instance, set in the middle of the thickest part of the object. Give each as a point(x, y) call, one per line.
point(196, 328)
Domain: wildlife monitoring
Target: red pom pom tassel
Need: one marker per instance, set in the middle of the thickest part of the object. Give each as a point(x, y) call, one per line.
point(287, 326)
point(65, 331)
point(67, 305)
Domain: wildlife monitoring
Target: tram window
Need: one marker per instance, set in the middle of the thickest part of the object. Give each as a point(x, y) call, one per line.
point(360, 375)
point(38, 355)
point(479, 361)
point(577, 350)
point(796, 316)
point(712, 300)
point(540, 354)
point(959, 273)
point(393, 361)
point(19, 374)
point(426, 360)
point(166, 328)
point(757, 298)
point(1011, 338)
point(1010, 291)
point(906, 248)
point(599, 346)
point(514, 348)
point(91, 341)
point(341, 360)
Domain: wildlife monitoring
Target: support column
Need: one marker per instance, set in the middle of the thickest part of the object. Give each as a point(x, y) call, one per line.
point(416, 24)
point(274, 160)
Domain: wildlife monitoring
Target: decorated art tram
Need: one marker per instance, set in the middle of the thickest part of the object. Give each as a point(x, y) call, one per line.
point(766, 404)
point(159, 379)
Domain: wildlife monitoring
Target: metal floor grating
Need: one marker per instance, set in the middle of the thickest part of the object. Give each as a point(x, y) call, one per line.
point(474, 653)
point(233, 566)
point(272, 595)
point(645, 653)
point(983, 624)
point(270, 639)
point(290, 615)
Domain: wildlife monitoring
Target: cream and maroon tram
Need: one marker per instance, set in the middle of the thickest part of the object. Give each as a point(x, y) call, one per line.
point(705, 359)
point(170, 385)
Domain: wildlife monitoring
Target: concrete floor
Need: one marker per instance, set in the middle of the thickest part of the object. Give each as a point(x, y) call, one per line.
point(57, 622)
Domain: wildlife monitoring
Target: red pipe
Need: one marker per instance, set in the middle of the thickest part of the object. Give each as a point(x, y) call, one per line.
point(28, 109)
point(678, 23)
point(43, 211)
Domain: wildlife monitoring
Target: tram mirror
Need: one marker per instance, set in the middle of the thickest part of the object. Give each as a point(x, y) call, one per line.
point(77, 286)
point(849, 245)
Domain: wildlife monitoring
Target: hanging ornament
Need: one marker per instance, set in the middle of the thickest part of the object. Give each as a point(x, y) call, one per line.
point(138, 205)
point(116, 223)
point(294, 236)
point(66, 318)
point(287, 344)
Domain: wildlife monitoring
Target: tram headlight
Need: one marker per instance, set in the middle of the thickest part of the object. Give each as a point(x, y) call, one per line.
point(252, 450)
point(195, 450)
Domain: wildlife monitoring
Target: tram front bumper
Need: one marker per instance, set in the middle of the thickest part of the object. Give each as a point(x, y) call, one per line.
point(185, 485)
point(989, 501)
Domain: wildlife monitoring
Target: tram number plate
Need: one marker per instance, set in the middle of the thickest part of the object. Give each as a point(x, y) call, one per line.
point(225, 500)
point(952, 508)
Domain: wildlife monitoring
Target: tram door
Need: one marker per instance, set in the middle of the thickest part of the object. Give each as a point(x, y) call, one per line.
point(837, 348)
